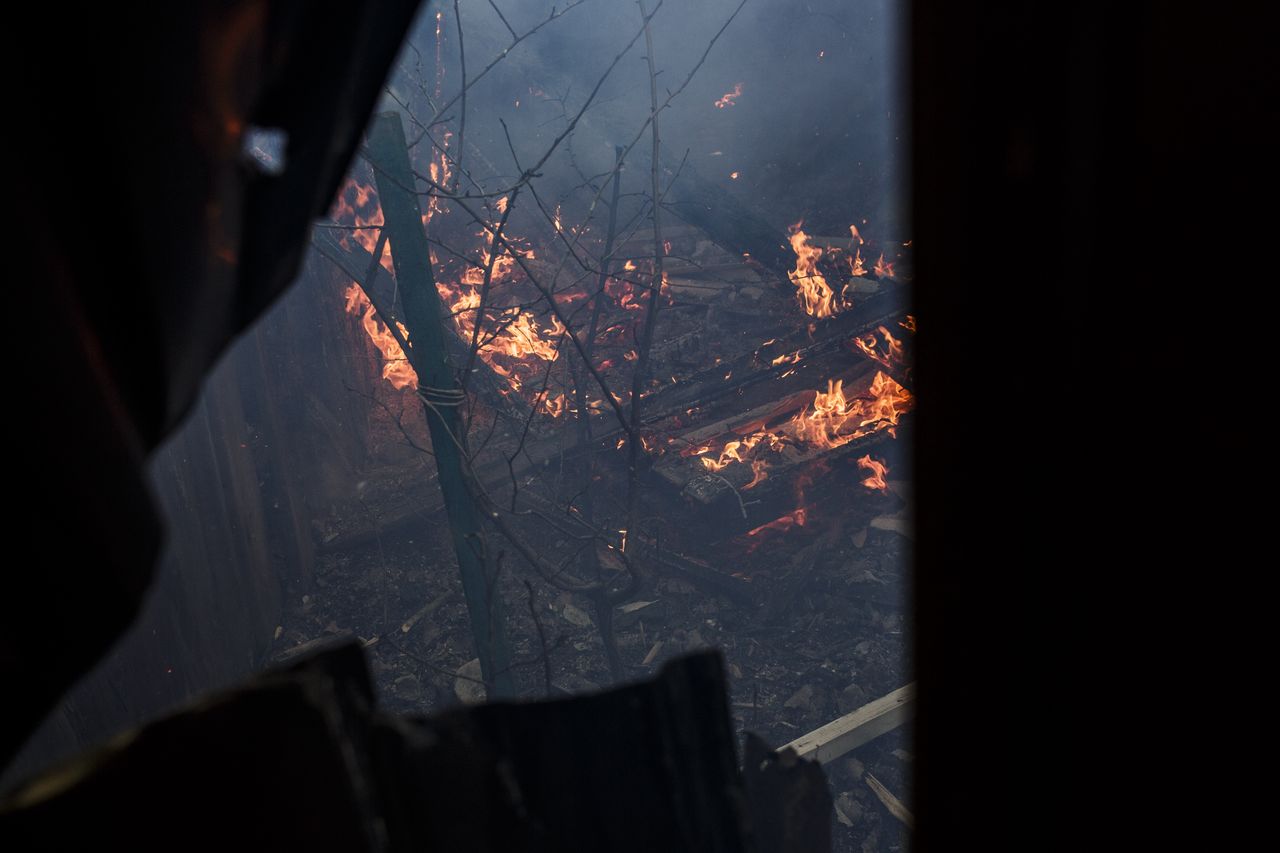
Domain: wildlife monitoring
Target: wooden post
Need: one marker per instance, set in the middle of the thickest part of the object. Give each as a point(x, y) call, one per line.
point(438, 386)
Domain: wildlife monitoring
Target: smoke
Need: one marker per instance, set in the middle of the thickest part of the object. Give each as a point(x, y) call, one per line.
point(817, 132)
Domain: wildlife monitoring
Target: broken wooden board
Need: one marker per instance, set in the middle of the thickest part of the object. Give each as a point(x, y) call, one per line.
point(775, 357)
point(696, 482)
point(854, 729)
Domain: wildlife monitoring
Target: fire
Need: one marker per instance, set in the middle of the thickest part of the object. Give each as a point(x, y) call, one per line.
point(853, 230)
point(729, 97)
point(358, 205)
point(555, 406)
point(517, 334)
point(855, 263)
point(815, 295)
point(787, 358)
point(883, 269)
point(735, 451)
point(893, 356)
point(395, 366)
point(832, 420)
point(909, 324)
point(503, 267)
point(513, 341)
point(875, 479)
point(624, 291)
point(759, 473)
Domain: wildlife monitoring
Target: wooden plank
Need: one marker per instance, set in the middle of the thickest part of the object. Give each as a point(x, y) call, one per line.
point(854, 729)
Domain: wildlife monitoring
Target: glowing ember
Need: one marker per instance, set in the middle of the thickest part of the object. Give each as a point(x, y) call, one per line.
point(853, 229)
point(734, 175)
point(815, 295)
point(395, 366)
point(875, 479)
point(796, 518)
point(729, 97)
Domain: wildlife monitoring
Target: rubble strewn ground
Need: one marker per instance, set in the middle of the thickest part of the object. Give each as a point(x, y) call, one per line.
point(828, 636)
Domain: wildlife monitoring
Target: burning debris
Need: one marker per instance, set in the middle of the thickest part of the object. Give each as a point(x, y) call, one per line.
point(637, 397)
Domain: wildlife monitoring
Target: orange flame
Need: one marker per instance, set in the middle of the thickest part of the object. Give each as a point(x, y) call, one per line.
point(855, 263)
point(358, 205)
point(892, 357)
point(875, 480)
point(795, 518)
point(832, 420)
point(729, 97)
point(395, 366)
point(759, 473)
point(883, 269)
point(787, 358)
point(815, 295)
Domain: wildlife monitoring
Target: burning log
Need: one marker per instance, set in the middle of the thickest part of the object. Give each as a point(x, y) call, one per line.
point(776, 357)
point(740, 452)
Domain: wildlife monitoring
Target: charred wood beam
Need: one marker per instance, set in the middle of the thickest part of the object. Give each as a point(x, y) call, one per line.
point(828, 334)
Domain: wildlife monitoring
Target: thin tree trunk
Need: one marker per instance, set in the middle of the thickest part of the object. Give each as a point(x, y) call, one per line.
point(441, 394)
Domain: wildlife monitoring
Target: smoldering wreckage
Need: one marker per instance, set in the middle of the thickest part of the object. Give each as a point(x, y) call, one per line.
point(623, 455)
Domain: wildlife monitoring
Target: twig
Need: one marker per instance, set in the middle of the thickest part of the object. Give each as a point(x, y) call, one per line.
point(462, 116)
point(542, 638)
point(641, 373)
